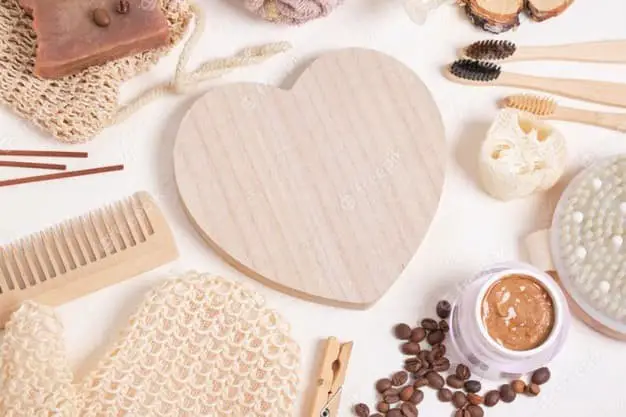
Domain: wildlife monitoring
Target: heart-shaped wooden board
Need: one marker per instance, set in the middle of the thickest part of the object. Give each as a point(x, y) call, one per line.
point(324, 191)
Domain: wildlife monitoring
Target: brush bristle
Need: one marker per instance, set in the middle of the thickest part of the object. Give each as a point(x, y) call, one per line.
point(475, 70)
point(540, 106)
point(491, 50)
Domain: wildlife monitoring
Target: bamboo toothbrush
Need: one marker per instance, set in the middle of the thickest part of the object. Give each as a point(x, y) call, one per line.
point(502, 50)
point(549, 109)
point(466, 71)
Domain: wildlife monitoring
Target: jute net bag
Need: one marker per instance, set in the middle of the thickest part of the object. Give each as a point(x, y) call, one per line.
point(198, 346)
point(76, 108)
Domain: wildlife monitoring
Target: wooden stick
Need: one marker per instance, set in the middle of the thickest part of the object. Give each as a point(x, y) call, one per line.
point(52, 154)
point(61, 175)
point(34, 165)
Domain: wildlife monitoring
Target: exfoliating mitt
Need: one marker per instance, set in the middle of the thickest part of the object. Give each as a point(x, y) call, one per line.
point(197, 346)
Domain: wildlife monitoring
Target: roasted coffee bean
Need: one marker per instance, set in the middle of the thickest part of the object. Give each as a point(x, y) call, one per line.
point(409, 410)
point(540, 376)
point(412, 365)
point(402, 331)
point(377, 415)
point(383, 385)
point(383, 407)
point(492, 398)
point(507, 394)
point(430, 324)
point(441, 365)
point(440, 350)
point(436, 337)
point(406, 393)
point(362, 410)
point(392, 391)
point(533, 389)
point(518, 386)
point(423, 355)
point(459, 399)
point(391, 398)
point(417, 335)
point(444, 309)
point(399, 378)
point(463, 372)
point(411, 348)
point(421, 373)
point(462, 413)
point(444, 395)
point(475, 399)
point(419, 383)
point(101, 17)
point(444, 326)
point(454, 381)
point(396, 412)
point(417, 397)
point(123, 7)
point(475, 411)
point(472, 386)
point(435, 380)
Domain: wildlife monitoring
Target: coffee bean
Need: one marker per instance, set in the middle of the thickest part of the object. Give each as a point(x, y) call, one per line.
point(540, 376)
point(518, 386)
point(492, 398)
point(444, 326)
point(412, 365)
point(383, 385)
point(439, 350)
point(463, 372)
point(399, 378)
point(472, 386)
point(377, 415)
point(459, 399)
point(419, 383)
point(443, 309)
point(123, 7)
point(409, 410)
point(101, 17)
point(474, 399)
point(475, 411)
point(533, 390)
point(396, 412)
point(435, 380)
point(454, 381)
point(423, 355)
point(402, 331)
point(462, 413)
point(391, 398)
point(410, 348)
point(417, 397)
point(507, 394)
point(436, 337)
point(417, 335)
point(441, 365)
point(362, 410)
point(406, 393)
point(421, 373)
point(430, 324)
point(444, 395)
point(383, 407)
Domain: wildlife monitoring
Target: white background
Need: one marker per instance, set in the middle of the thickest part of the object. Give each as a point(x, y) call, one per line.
point(470, 231)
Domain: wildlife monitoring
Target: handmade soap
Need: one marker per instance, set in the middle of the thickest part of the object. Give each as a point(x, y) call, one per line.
point(518, 312)
point(75, 34)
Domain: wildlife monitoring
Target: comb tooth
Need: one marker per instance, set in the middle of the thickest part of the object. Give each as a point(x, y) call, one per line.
point(132, 220)
point(75, 228)
point(122, 220)
point(43, 255)
point(141, 213)
point(72, 245)
point(113, 228)
point(91, 238)
point(55, 259)
point(8, 278)
point(32, 257)
point(100, 241)
point(19, 254)
point(61, 247)
point(13, 267)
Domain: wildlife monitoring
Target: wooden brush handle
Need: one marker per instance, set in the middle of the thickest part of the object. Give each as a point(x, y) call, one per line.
point(602, 92)
point(607, 51)
point(614, 121)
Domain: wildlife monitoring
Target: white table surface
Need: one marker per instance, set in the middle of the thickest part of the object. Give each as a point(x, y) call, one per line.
point(470, 231)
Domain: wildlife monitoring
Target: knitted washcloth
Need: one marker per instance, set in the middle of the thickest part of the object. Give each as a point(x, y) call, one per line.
point(198, 346)
point(76, 108)
point(293, 12)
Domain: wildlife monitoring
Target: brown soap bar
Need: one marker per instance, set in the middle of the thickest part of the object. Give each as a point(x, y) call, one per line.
point(70, 39)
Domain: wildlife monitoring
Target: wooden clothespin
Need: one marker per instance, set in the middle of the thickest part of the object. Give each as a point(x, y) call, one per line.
point(330, 379)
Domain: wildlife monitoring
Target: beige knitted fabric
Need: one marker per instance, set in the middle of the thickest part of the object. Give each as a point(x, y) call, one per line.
point(76, 108)
point(198, 346)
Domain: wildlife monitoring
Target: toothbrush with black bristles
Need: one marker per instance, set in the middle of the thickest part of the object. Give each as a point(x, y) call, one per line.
point(502, 50)
point(481, 73)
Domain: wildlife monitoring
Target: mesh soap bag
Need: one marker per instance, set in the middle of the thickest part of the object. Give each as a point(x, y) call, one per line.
point(198, 345)
point(76, 108)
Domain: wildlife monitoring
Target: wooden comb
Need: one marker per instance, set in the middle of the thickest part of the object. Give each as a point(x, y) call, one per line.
point(85, 254)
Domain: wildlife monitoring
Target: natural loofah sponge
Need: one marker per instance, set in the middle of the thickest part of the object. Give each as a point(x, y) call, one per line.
point(292, 12)
point(521, 155)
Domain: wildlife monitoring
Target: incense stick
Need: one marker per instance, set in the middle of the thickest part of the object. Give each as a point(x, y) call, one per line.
point(52, 154)
point(33, 165)
point(61, 175)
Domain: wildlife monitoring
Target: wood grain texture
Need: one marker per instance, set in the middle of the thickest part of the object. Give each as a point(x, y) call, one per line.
point(603, 51)
point(324, 191)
